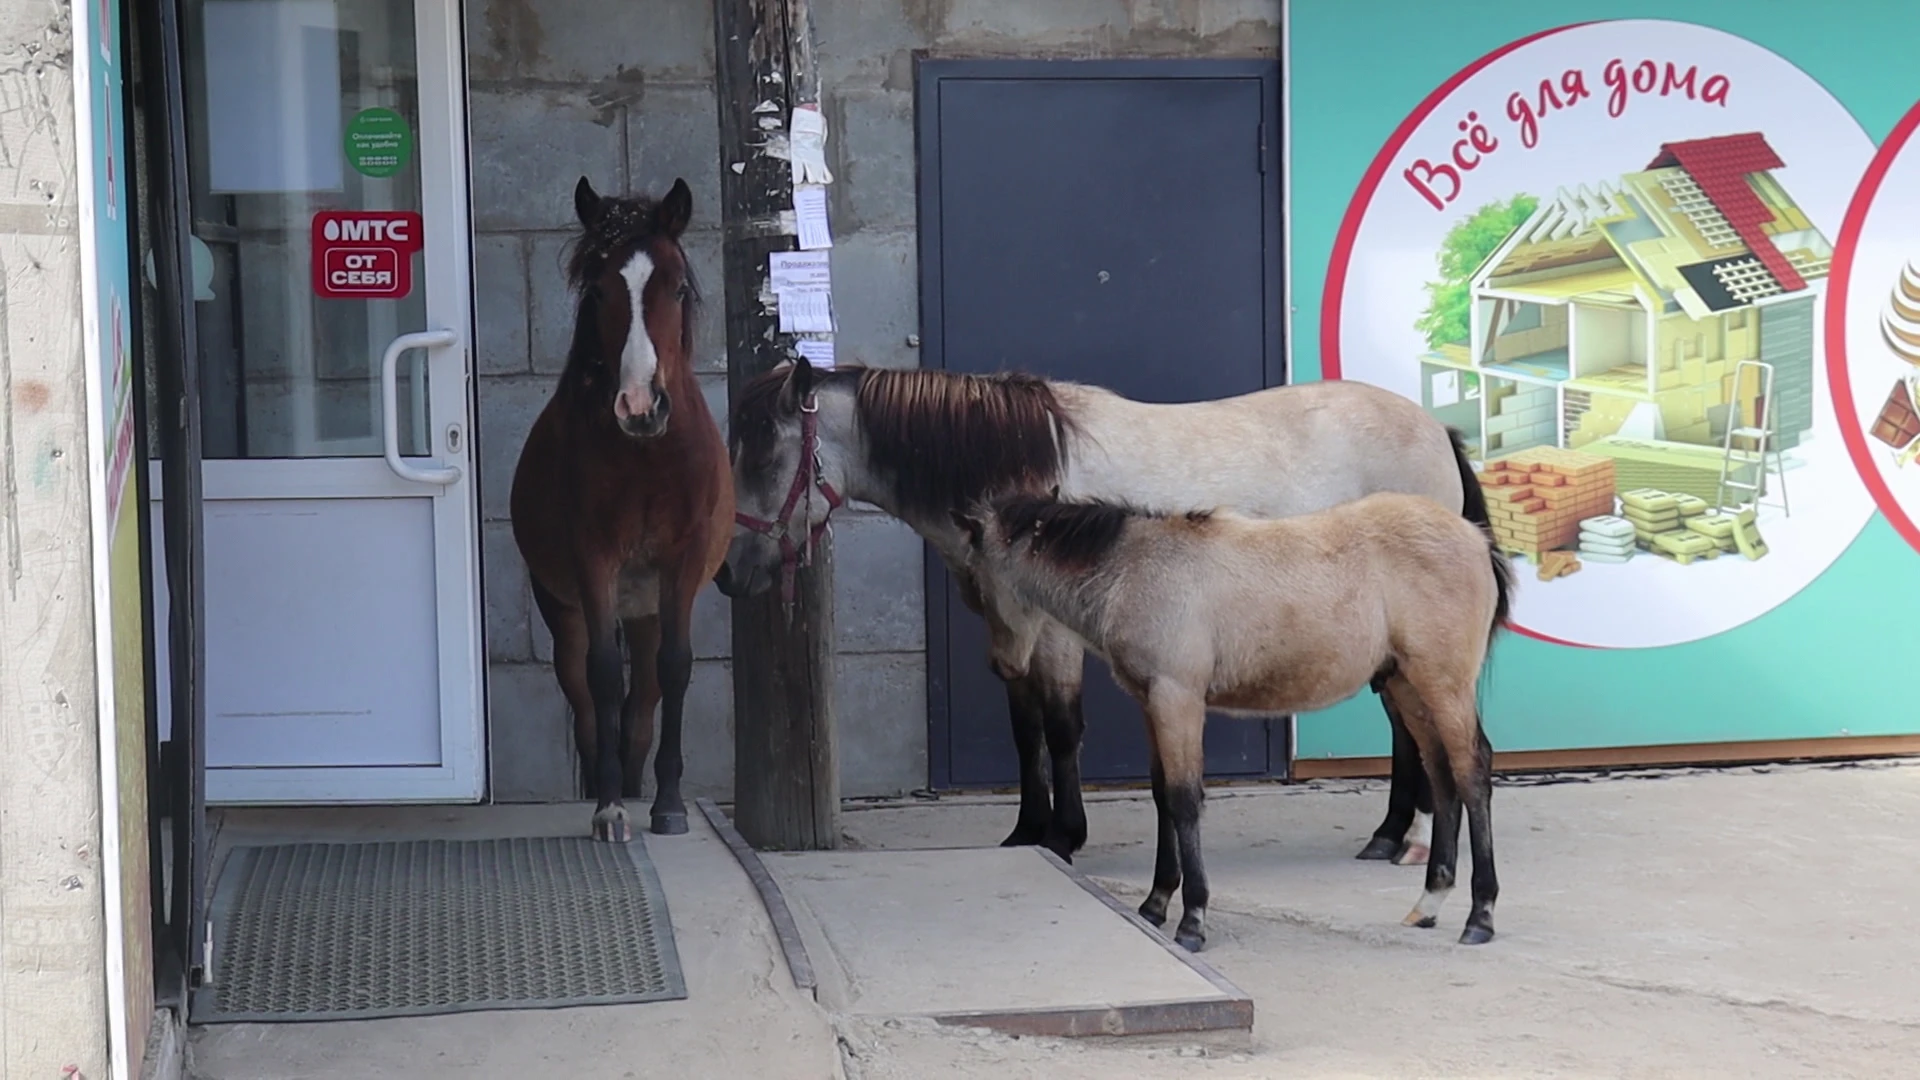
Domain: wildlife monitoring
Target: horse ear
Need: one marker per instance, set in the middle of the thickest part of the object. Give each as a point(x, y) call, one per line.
point(586, 202)
point(1055, 493)
point(800, 379)
point(671, 216)
point(966, 523)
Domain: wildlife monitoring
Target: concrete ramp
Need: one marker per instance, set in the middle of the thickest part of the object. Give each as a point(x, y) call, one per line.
point(1011, 939)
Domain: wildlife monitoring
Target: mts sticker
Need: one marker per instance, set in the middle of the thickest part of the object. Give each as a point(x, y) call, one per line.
point(364, 254)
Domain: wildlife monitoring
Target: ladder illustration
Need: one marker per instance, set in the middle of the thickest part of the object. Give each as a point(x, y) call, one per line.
point(1763, 456)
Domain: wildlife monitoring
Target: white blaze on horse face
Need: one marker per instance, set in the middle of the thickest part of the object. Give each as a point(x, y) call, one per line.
point(638, 360)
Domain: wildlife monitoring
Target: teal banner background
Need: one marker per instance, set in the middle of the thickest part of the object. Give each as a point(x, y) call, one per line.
point(1838, 657)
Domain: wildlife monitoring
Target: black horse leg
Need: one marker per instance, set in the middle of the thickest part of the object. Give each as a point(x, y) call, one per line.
point(1446, 838)
point(675, 667)
point(1026, 708)
point(1476, 790)
point(1184, 799)
point(1058, 668)
point(1176, 723)
point(1409, 800)
point(1066, 728)
point(1166, 854)
point(643, 698)
point(605, 680)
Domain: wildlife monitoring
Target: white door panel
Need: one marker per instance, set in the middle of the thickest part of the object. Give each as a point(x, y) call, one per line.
point(342, 587)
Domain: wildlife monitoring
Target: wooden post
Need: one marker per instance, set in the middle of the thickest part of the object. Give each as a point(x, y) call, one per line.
point(785, 772)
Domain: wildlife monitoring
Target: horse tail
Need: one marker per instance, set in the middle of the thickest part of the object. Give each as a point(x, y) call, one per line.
point(1473, 505)
point(1502, 588)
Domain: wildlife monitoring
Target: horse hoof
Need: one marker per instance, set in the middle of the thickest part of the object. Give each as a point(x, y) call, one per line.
point(1378, 849)
point(1156, 917)
point(610, 825)
point(1416, 918)
point(1412, 855)
point(1190, 940)
point(669, 824)
point(1476, 934)
point(1021, 836)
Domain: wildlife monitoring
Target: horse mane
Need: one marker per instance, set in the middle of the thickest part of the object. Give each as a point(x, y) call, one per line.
point(942, 440)
point(1076, 535)
point(945, 440)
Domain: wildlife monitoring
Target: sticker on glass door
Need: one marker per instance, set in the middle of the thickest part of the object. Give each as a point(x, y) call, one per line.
point(364, 254)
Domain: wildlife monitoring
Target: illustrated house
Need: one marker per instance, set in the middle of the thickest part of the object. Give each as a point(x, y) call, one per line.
point(1613, 319)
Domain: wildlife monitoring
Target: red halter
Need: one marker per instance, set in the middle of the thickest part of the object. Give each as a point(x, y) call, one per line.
point(792, 555)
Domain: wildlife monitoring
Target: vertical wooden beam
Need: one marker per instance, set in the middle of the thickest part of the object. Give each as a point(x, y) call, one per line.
point(786, 773)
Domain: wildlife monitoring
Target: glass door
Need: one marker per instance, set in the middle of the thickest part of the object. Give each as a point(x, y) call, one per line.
point(327, 148)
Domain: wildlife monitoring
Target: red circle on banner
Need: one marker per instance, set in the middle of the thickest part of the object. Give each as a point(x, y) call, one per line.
point(1839, 378)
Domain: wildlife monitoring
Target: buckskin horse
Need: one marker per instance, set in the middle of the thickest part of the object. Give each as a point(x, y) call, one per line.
point(921, 444)
point(1214, 610)
point(622, 501)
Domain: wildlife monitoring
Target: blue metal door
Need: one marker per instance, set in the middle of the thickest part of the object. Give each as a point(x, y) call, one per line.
point(1110, 222)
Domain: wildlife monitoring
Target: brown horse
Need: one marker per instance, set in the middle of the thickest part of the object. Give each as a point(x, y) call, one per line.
point(1215, 610)
point(623, 500)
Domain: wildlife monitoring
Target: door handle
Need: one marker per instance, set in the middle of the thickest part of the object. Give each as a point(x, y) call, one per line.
point(390, 406)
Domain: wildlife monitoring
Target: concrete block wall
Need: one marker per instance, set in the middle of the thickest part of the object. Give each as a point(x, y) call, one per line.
point(624, 93)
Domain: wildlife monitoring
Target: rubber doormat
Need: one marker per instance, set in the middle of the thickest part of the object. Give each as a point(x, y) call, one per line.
point(313, 931)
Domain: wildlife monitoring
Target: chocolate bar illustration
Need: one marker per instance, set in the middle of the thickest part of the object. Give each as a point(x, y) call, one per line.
point(1898, 423)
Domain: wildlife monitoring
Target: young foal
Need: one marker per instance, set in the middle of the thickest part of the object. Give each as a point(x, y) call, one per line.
point(1215, 610)
point(921, 444)
point(622, 501)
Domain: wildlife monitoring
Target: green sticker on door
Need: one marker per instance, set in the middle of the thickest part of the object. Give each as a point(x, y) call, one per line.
point(378, 142)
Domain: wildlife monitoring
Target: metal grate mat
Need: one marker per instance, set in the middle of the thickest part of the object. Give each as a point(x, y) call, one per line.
point(354, 931)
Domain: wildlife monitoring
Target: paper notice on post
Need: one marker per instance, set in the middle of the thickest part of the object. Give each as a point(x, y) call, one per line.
point(810, 217)
point(806, 309)
point(816, 351)
point(807, 146)
point(795, 269)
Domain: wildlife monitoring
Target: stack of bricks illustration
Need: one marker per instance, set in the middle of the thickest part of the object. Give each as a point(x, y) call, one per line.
point(1538, 498)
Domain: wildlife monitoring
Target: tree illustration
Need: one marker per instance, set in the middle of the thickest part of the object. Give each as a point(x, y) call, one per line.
point(1466, 246)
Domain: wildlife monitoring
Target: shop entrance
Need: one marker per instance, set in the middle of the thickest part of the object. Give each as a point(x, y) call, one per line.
point(326, 142)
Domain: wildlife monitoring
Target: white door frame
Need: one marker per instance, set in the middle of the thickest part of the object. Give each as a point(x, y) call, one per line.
point(442, 155)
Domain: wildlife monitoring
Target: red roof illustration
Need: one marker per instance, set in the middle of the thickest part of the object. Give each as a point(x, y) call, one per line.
point(1720, 166)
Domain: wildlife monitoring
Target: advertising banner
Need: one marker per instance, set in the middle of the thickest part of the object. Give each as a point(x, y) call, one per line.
point(1604, 244)
point(116, 450)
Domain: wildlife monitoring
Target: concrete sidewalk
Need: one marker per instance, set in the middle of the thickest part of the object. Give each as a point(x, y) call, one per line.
point(1740, 923)
point(742, 1017)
